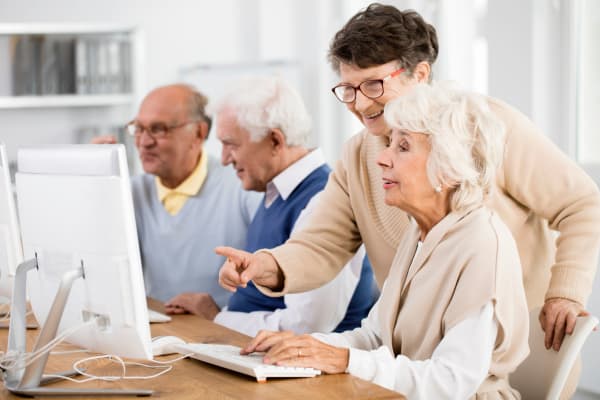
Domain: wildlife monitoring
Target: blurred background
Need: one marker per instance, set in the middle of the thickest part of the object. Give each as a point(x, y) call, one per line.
point(72, 69)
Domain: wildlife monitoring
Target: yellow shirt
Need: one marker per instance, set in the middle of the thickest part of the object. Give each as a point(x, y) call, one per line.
point(174, 199)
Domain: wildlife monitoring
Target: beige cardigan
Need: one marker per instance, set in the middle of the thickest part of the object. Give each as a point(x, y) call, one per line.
point(538, 189)
point(467, 260)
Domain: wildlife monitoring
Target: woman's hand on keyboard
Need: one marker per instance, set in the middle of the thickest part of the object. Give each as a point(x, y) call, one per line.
point(286, 348)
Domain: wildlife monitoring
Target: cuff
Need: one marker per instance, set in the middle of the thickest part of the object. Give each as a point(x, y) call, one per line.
point(570, 283)
point(267, 291)
point(361, 364)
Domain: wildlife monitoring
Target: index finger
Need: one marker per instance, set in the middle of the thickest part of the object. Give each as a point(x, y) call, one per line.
point(257, 341)
point(236, 256)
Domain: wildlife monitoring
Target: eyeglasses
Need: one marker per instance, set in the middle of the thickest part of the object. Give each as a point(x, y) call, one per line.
point(157, 130)
point(373, 88)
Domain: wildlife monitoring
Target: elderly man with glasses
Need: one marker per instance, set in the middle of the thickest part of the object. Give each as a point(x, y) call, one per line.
point(186, 203)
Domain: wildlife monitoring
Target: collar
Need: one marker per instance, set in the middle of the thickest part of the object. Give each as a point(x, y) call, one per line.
point(191, 185)
point(287, 180)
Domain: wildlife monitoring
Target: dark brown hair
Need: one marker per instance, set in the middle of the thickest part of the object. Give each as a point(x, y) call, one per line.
point(382, 33)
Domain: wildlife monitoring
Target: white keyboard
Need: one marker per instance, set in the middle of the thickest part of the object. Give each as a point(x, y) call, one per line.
point(226, 356)
point(155, 316)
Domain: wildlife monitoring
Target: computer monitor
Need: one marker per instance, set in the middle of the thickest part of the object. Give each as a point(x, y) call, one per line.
point(76, 210)
point(11, 253)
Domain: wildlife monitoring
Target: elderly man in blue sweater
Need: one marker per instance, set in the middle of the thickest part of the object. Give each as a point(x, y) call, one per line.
point(186, 203)
point(264, 127)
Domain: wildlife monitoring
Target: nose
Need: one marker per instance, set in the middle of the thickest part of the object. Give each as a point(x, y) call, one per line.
point(145, 139)
point(225, 155)
point(383, 159)
point(362, 102)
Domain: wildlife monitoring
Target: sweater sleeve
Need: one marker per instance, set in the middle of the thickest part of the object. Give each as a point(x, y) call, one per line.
point(542, 179)
point(317, 252)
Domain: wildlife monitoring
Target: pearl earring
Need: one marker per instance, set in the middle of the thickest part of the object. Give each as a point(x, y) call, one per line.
point(438, 189)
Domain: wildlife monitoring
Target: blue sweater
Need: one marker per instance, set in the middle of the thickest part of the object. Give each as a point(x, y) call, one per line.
point(178, 250)
point(271, 227)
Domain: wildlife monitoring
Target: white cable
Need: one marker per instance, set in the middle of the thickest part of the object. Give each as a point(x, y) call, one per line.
point(13, 360)
point(181, 357)
point(122, 364)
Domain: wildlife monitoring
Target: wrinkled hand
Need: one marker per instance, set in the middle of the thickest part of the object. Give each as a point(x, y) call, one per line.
point(104, 139)
point(200, 304)
point(558, 317)
point(286, 348)
point(242, 267)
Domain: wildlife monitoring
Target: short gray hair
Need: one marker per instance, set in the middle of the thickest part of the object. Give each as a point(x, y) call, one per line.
point(466, 137)
point(263, 103)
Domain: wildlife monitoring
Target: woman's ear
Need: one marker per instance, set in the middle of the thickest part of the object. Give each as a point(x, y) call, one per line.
point(422, 72)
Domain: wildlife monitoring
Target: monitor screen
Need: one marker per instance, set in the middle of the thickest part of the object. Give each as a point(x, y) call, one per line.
point(76, 211)
point(10, 238)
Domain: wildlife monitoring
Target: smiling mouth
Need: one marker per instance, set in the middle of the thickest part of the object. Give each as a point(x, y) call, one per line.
point(374, 115)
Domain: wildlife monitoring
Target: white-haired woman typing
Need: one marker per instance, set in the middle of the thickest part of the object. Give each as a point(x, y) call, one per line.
point(452, 319)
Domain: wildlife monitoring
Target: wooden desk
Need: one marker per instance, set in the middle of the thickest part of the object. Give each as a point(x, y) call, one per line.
point(192, 379)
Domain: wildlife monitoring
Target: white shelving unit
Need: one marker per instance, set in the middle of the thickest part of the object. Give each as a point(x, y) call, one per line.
point(41, 116)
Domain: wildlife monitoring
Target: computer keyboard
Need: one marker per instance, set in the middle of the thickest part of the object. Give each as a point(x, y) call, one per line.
point(229, 357)
point(155, 316)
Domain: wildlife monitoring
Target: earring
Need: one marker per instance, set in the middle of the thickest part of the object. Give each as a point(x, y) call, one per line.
point(438, 189)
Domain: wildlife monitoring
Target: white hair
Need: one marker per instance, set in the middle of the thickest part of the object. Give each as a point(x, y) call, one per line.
point(263, 103)
point(466, 137)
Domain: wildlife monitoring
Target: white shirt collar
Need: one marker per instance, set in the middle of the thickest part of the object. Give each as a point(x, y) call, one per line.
point(284, 184)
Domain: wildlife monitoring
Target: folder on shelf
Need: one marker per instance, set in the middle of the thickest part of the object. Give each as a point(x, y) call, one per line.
point(65, 51)
point(26, 65)
point(49, 67)
point(81, 66)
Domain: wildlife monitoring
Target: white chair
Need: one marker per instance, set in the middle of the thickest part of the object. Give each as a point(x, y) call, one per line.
point(544, 373)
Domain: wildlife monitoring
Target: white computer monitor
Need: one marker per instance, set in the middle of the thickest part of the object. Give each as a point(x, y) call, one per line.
point(11, 253)
point(76, 211)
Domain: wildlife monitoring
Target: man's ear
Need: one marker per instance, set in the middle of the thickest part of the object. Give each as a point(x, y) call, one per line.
point(422, 72)
point(202, 130)
point(276, 138)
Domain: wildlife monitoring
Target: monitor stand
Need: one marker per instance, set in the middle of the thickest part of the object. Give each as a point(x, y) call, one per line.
point(29, 380)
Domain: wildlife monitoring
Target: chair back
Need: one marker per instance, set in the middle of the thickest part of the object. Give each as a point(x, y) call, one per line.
point(544, 373)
